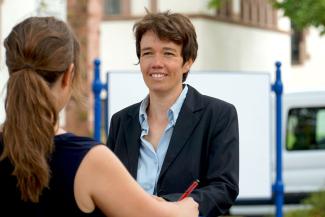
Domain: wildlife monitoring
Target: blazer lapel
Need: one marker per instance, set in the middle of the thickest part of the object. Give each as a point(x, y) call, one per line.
point(187, 120)
point(132, 137)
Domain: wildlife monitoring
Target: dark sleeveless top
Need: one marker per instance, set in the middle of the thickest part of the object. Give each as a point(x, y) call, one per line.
point(58, 199)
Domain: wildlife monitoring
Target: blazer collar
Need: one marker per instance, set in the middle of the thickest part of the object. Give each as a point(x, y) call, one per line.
point(132, 137)
point(187, 120)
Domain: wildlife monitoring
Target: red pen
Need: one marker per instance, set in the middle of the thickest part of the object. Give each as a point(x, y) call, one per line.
point(190, 189)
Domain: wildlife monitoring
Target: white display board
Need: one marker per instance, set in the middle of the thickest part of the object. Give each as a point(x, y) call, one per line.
point(251, 95)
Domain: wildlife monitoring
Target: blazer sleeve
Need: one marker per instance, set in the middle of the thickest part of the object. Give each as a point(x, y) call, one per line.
point(219, 189)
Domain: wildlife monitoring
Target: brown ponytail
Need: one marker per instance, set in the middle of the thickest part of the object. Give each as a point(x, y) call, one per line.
point(38, 52)
point(28, 131)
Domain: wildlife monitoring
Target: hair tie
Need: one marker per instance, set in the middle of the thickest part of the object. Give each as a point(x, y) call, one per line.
point(27, 66)
point(24, 67)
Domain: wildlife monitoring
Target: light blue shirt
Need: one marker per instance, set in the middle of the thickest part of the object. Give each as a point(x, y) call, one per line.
point(151, 160)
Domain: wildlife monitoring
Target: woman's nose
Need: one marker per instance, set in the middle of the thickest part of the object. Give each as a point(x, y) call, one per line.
point(157, 61)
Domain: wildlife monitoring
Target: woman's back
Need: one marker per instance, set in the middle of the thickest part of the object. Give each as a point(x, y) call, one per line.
point(58, 199)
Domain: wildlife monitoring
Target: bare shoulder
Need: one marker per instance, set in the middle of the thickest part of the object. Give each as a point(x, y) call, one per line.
point(99, 152)
point(100, 159)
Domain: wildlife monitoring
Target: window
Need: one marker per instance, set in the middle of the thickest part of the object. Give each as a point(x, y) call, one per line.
point(116, 7)
point(306, 129)
point(112, 7)
point(258, 12)
point(298, 46)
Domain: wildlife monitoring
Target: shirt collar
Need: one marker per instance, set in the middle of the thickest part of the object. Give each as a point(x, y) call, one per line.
point(143, 110)
point(172, 112)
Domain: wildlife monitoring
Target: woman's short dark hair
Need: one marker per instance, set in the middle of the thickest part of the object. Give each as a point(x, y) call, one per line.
point(169, 26)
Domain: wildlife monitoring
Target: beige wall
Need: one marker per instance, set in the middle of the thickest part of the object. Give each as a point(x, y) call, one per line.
point(310, 75)
point(137, 6)
point(238, 48)
point(117, 46)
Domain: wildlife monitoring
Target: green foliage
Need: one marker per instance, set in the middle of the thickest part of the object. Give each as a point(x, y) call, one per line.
point(304, 13)
point(297, 213)
point(215, 3)
point(316, 202)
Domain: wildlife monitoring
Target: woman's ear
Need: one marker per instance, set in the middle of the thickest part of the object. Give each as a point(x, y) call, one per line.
point(68, 76)
point(187, 65)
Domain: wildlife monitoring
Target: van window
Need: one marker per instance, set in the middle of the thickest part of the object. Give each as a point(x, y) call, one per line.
point(306, 129)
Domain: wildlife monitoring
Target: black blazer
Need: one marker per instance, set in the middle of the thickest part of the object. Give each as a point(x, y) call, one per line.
point(204, 146)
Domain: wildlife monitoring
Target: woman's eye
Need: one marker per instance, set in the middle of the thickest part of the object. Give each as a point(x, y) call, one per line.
point(146, 53)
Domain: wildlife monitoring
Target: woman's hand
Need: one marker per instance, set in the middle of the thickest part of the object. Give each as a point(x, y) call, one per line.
point(189, 208)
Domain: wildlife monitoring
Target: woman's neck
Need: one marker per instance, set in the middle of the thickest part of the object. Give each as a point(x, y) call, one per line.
point(159, 104)
point(58, 130)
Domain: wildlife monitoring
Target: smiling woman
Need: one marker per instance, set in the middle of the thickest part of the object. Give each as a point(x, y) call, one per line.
point(176, 131)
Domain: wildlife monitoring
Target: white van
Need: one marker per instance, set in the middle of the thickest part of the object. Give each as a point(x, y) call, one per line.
point(303, 153)
point(304, 144)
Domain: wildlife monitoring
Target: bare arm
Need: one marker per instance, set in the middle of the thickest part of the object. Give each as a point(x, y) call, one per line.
point(103, 181)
